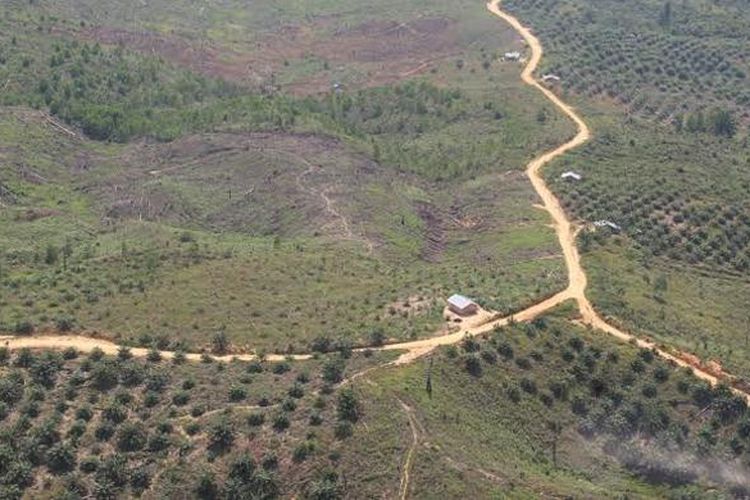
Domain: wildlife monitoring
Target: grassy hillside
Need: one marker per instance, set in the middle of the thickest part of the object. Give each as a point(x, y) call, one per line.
point(541, 409)
point(555, 410)
point(662, 85)
point(147, 198)
point(74, 426)
point(145, 240)
point(662, 60)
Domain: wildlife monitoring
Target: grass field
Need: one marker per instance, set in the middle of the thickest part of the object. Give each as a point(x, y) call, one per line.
point(541, 409)
point(662, 88)
point(74, 425)
point(215, 206)
point(487, 427)
point(661, 60)
point(696, 311)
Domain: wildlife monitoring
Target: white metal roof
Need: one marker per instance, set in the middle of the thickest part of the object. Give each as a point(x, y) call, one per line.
point(571, 175)
point(460, 301)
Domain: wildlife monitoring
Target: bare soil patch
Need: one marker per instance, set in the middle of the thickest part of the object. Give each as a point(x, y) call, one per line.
point(385, 51)
point(260, 183)
point(434, 238)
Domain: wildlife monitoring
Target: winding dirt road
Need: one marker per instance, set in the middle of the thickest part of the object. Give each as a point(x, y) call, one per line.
point(566, 233)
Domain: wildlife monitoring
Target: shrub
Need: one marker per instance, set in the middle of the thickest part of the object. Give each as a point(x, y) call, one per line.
point(44, 369)
point(661, 374)
point(104, 431)
point(281, 368)
point(468, 344)
point(23, 328)
point(579, 406)
point(179, 358)
point(528, 385)
point(181, 398)
point(84, 413)
point(347, 407)
point(546, 399)
point(65, 323)
point(649, 390)
point(280, 422)
point(96, 354)
point(206, 487)
point(269, 461)
point(140, 479)
point(220, 343)
point(123, 353)
point(89, 464)
point(301, 452)
point(326, 485)
point(61, 458)
point(514, 394)
point(296, 391)
point(320, 344)
point(343, 430)
point(237, 393)
point(158, 442)
point(114, 413)
point(77, 429)
point(637, 366)
point(24, 358)
point(377, 336)
point(151, 399)
point(254, 367)
point(333, 371)
point(156, 381)
point(220, 435)
point(256, 419)
point(154, 355)
point(646, 355)
point(576, 343)
point(242, 468)
point(523, 363)
point(131, 374)
point(104, 376)
point(489, 357)
point(473, 365)
point(70, 353)
point(288, 405)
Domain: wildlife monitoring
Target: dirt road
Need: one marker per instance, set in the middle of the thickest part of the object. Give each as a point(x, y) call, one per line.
point(88, 344)
point(565, 230)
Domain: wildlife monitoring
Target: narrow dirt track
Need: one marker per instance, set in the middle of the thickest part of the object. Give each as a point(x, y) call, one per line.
point(405, 473)
point(565, 230)
point(88, 344)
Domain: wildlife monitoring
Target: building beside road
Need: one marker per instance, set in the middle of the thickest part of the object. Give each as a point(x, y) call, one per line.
point(606, 223)
point(572, 175)
point(463, 306)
